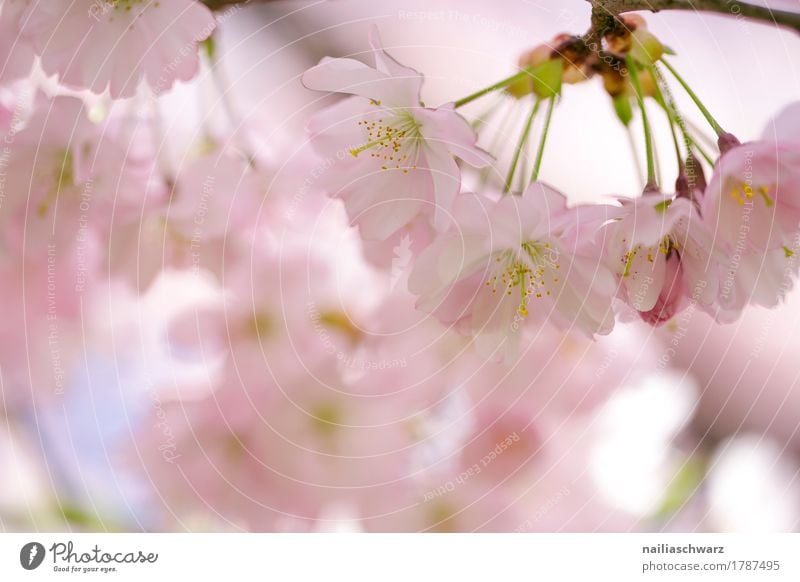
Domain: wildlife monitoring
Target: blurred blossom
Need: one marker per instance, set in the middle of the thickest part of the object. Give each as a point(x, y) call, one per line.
point(747, 371)
point(113, 45)
point(634, 460)
point(446, 299)
point(753, 487)
point(24, 495)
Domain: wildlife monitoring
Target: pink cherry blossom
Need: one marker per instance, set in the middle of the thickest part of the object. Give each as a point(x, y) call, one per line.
point(51, 171)
point(16, 52)
point(753, 208)
point(557, 375)
point(762, 278)
point(506, 261)
point(41, 294)
point(752, 202)
point(297, 306)
point(269, 457)
point(212, 195)
point(71, 175)
point(275, 321)
point(442, 504)
point(114, 44)
point(394, 157)
point(397, 252)
point(784, 127)
point(664, 257)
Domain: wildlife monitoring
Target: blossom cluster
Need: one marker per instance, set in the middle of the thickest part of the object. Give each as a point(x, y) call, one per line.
point(108, 45)
point(491, 262)
point(425, 352)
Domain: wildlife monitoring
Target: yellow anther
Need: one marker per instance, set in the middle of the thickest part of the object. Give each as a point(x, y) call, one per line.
point(768, 202)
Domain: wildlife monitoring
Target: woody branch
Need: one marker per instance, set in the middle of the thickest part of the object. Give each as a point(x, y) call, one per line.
point(609, 8)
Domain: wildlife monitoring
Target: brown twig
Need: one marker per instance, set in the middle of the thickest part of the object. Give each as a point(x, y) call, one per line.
point(730, 7)
point(222, 4)
point(603, 9)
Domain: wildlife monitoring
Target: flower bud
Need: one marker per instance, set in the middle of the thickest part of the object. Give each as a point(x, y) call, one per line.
point(646, 48)
point(633, 37)
point(691, 182)
point(615, 83)
point(727, 141)
point(548, 77)
point(648, 83)
point(535, 56)
point(529, 59)
point(575, 56)
point(620, 40)
point(623, 108)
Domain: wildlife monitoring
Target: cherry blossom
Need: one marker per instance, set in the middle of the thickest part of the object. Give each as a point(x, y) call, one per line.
point(752, 197)
point(663, 254)
point(751, 205)
point(504, 262)
point(313, 311)
point(16, 53)
point(71, 176)
point(114, 44)
point(394, 157)
point(188, 227)
point(282, 436)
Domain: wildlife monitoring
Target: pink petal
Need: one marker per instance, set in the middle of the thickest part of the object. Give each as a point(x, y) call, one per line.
point(355, 78)
point(447, 129)
point(785, 126)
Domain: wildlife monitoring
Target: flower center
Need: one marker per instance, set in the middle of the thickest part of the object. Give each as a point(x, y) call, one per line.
point(395, 142)
point(665, 247)
point(327, 419)
point(261, 325)
point(340, 322)
point(63, 176)
point(745, 192)
point(533, 268)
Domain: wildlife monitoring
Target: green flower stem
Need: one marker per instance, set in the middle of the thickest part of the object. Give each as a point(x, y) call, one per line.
point(523, 139)
point(484, 118)
point(497, 140)
point(491, 88)
point(545, 132)
point(676, 119)
point(706, 113)
point(634, 152)
point(648, 138)
point(669, 110)
point(675, 142)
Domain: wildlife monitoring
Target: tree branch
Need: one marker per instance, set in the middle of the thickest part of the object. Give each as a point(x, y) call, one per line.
point(605, 8)
point(221, 4)
point(729, 7)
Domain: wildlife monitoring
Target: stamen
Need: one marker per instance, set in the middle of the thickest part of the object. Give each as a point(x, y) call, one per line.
point(629, 261)
point(397, 141)
point(764, 191)
point(523, 309)
point(749, 194)
point(529, 273)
